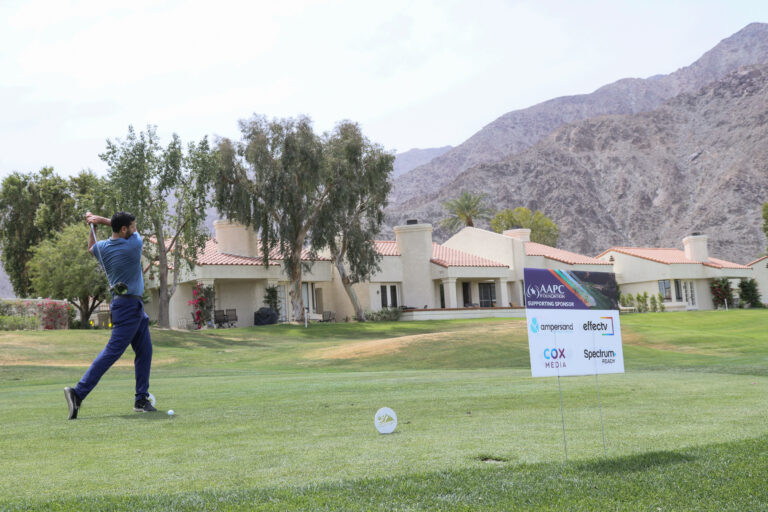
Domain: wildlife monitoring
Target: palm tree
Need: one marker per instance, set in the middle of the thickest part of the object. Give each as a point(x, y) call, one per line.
point(464, 210)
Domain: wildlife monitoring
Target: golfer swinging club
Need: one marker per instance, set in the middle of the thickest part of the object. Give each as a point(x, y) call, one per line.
point(120, 256)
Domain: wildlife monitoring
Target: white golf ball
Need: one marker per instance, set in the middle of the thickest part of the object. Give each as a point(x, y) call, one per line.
point(171, 413)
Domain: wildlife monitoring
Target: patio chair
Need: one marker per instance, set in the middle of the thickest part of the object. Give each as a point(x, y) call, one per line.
point(231, 317)
point(219, 317)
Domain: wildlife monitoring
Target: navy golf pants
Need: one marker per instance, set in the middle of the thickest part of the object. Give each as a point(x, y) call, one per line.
point(130, 326)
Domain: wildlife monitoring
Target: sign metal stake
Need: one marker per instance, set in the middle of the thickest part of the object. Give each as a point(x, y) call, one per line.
point(600, 406)
point(599, 402)
point(562, 417)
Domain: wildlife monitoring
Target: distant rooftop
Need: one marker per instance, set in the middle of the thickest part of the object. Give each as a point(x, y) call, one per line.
point(670, 256)
point(571, 258)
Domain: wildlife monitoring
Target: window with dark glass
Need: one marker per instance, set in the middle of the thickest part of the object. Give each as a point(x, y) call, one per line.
point(384, 303)
point(393, 295)
point(678, 291)
point(487, 295)
point(466, 293)
point(665, 289)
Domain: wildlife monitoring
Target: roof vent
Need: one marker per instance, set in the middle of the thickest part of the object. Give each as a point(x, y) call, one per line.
point(410, 222)
point(696, 233)
point(611, 259)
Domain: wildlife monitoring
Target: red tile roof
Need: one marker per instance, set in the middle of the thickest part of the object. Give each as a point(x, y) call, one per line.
point(441, 255)
point(386, 247)
point(671, 257)
point(212, 256)
point(571, 258)
point(447, 257)
point(758, 260)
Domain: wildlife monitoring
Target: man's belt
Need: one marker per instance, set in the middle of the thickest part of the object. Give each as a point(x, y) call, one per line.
point(137, 297)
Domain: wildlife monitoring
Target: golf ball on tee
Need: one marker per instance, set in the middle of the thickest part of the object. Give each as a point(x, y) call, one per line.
point(170, 412)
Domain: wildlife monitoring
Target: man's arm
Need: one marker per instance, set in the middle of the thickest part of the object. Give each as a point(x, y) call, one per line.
point(94, 219)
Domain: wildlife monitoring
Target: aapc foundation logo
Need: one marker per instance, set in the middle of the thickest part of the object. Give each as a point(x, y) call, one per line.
point(545, 291)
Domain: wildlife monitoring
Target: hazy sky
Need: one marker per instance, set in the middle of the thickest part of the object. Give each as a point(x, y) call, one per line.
point(412, 73)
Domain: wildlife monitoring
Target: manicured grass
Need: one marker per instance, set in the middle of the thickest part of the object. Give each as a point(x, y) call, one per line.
point(282, 418)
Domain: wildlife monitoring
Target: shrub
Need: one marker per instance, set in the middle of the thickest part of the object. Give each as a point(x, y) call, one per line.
point(202, 304)
point(654, 304)
point(642, 302)
point(749, 293)
point(271, 300)
point(17, 323)
point(721, 292)
point(384, 315)
point(53, 314)
point(662, 307)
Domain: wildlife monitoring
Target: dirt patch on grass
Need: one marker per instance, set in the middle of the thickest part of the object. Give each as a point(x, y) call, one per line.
point(631, 338)
point(386, 346)
point(75, 364)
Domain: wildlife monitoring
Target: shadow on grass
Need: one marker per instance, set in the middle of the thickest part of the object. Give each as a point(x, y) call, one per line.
point(148, 416)
point(632, 463)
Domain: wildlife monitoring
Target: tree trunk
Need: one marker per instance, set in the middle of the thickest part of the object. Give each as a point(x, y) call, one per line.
point(85, 313)
point(339, 262)
point(294, 293)
point(164, 298)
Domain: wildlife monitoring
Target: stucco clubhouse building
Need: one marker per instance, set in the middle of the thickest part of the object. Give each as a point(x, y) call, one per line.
point(475, 273)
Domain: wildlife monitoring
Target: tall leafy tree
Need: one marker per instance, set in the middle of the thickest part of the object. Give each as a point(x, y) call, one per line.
point(36, 206)
point(465, 210)
point(275, 181)
point(166, 188)
point(543, 229)
point(62, 268)
point(355, 212)
point(19, 200)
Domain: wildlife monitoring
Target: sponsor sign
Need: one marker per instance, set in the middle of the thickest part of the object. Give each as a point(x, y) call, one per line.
point(573, 323)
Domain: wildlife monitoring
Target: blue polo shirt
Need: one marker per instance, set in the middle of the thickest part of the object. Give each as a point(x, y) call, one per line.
point(122, 261)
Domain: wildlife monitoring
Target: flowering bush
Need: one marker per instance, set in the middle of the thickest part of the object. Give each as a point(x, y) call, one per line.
point(53, 314)
point(202, 304)
point(721, 292)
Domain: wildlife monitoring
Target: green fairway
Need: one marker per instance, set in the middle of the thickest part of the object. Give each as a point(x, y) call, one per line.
point(281, 417)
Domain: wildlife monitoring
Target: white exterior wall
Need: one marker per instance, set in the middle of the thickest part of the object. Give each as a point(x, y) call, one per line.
point(178, 309)
point(509, 249)
point(415, 245)
point(637, 275)
point(485, 244)
point(760, 273)
point(244, 296)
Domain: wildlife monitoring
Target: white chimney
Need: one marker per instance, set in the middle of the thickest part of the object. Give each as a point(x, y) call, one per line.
point(415, 244)
point(695, 247)
point(524, 235)
point(236, 239)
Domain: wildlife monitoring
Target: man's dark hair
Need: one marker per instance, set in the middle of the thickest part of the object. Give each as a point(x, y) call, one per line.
point(121, 219)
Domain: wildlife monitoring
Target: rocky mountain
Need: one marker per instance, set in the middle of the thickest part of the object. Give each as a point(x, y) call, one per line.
point(697, 163)
point(6, 289)
point(520, 129)
point(413, 158)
